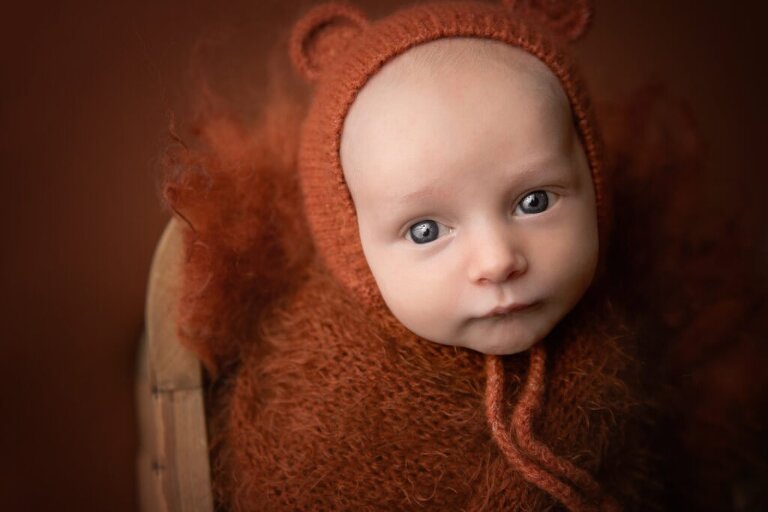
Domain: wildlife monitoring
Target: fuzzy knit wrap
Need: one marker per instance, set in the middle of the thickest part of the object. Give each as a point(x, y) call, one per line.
point(332, 409)
point(339, 50)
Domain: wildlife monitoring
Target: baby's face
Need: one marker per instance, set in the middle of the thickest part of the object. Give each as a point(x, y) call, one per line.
point(473, 194)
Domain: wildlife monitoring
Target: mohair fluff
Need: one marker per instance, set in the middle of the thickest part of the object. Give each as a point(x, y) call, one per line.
point(320, 399)
point(342, 411)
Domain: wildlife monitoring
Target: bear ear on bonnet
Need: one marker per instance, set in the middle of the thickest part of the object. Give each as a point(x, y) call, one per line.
point(321, 34)
point(325, 30)
point(567, 18)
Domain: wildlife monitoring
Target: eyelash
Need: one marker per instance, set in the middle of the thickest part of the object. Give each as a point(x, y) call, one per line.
point(548, 198)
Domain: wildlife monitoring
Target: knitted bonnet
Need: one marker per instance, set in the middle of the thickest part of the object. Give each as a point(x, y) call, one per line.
point(338, 49)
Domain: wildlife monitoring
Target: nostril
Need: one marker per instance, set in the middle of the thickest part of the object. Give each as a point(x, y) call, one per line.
point(500, 271)
point(494, 253)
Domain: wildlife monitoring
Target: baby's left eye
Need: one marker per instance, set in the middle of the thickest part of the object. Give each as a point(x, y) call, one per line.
point(535, 202)
point(426, 231)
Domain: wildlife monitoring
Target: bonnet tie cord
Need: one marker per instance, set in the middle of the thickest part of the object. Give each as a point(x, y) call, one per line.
point(494, 394)
point(529, 403)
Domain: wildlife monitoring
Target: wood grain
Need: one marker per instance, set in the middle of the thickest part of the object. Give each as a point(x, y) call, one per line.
point(173, 466)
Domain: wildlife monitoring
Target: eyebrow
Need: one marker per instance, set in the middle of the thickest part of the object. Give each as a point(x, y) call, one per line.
point(428, 191)
point(545, 168)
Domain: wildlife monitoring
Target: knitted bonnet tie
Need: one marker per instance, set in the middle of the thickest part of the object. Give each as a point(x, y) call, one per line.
point(335, 47)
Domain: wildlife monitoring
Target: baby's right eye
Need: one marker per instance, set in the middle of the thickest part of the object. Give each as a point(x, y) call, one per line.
point(424, 232)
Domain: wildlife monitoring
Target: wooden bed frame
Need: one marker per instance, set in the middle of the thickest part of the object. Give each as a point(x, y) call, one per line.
point(173, 466)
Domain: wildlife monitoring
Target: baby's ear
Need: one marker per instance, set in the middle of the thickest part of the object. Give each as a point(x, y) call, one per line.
point(321, 34)
point(568, 18)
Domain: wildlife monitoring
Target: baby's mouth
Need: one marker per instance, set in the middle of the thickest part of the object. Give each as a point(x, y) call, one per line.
point(505, 310)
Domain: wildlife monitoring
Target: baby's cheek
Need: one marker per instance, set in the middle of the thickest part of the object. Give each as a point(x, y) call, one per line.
point(401, 284)
point(578, 260)
point(566, 258)
point(418, 295)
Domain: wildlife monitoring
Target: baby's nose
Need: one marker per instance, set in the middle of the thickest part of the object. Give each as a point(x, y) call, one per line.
point(496, 258)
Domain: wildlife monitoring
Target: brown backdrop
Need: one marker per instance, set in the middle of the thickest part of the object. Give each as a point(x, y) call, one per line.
point(84, 103)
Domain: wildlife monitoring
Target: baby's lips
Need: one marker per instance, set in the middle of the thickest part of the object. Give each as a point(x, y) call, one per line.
point(506, 309)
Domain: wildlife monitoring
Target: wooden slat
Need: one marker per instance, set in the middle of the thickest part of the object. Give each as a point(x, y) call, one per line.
point(150, 492)
point(187, 477)
point(174, 473)
point(174, 366)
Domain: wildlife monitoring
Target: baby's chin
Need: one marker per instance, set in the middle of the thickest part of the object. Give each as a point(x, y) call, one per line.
point(492, 345)
point(500, 348)
point(502, 336)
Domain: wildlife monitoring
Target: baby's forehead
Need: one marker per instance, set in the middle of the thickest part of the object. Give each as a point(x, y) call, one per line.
point(452, 76)
point(466, 58)
point(432, 102)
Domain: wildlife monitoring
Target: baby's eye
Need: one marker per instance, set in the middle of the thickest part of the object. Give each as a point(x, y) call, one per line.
point(535, 202)
point(424, 232)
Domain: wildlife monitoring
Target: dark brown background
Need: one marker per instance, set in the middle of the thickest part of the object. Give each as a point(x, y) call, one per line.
point(84, 102)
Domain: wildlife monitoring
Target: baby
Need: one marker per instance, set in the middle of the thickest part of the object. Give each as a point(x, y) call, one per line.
point(449, 347)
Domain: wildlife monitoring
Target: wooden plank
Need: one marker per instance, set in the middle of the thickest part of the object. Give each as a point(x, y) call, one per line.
point(150, 492)
point(174, 366)
point(187, 480)
point(174, 470)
